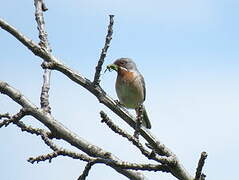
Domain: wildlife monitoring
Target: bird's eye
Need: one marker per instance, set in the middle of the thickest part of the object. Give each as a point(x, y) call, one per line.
point(122, 63)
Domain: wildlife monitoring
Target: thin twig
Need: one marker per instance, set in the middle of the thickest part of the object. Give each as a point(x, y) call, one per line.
point(40, 7)
point(15, 119)
point(199, 175)
point(48, 141)
point(86, 158)
point(5, 115)
point(104, 51)
point(45, 157)
point(59, 152)
point(8, 119)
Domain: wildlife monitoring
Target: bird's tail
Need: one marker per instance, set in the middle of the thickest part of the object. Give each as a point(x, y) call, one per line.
point(146, 123)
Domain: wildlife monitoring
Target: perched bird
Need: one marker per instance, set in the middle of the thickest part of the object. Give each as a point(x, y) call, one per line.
point(130, 86)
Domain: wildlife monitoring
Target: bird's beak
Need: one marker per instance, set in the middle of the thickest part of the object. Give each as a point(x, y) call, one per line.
point(112, 66)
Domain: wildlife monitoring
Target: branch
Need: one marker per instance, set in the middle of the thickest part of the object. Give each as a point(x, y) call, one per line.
point(104, 51)
point(60, 152)
point(40, 7)
point(52, 62)
point(106, 161)
point(199, 175)
point(45, 157)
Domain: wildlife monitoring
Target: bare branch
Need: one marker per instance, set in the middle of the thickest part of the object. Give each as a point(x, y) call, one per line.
point(106, 161)
point(40, 7)
point(92, 160)
point(45, 157)
point(61, 152)
point(199, 175)
point(104, 51)
point(56, 150)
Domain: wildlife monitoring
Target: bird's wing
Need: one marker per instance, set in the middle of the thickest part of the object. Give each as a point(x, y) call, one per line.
point(143, 84)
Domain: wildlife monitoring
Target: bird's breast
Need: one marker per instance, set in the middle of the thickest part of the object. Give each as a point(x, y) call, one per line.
point(129, 89)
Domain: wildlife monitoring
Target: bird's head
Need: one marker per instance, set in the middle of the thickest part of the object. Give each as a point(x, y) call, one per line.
point(123, 64)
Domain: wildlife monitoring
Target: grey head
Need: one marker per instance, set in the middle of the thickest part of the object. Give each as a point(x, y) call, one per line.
point(126, 63)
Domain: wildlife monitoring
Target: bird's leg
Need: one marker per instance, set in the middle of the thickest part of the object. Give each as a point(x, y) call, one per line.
point(139, 120)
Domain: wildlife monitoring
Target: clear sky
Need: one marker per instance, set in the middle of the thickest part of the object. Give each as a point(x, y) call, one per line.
point(187, 51)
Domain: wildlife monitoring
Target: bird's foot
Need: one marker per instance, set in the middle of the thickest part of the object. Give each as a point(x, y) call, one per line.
point(118, 103)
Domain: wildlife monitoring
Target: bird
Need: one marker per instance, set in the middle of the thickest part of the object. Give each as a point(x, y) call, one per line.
point(130, 87)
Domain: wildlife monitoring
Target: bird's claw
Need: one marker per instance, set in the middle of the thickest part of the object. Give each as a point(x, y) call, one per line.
point(118, 103)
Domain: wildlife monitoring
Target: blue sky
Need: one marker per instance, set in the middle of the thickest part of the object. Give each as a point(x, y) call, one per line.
point(187, 51)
